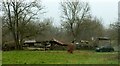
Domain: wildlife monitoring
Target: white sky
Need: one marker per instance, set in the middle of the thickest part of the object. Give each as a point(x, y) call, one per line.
point(107, 10)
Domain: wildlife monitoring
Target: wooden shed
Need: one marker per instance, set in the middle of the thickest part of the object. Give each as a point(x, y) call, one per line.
point(103, 41)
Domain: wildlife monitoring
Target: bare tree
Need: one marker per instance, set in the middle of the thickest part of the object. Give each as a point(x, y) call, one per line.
point(73, 13)
point(113, 33)
point(19, 13)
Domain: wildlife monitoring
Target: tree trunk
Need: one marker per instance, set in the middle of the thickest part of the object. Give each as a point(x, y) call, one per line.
point(119, 43)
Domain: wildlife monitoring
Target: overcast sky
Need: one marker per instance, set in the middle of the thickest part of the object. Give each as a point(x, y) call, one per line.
point(107, 10)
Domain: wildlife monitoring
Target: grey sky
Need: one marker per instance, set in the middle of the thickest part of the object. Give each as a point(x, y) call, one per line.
point(107, 10)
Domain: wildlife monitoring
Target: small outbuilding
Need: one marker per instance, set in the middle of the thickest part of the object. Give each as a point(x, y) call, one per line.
point(103, 41)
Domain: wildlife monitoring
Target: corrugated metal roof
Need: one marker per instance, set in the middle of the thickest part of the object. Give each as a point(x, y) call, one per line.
point(30, 41)
point(103, 38)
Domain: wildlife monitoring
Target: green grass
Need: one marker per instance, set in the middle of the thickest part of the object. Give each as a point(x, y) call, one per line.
point(0, 58)
point(58, 57)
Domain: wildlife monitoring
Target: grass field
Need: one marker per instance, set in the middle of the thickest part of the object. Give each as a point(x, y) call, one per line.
point(58, 57)
point(0, 57)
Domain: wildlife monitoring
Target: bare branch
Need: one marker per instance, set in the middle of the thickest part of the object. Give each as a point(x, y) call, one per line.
point(73, 14)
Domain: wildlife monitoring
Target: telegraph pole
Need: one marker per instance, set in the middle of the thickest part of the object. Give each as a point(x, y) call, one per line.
point(118, 32)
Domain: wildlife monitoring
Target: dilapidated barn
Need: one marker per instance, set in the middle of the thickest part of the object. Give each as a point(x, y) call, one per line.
point(48, 44)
